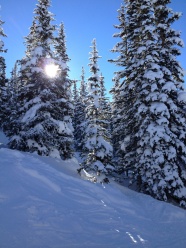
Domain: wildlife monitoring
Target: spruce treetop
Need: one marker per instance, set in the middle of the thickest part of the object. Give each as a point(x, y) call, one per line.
point(60, 44)
point(2, 34)
point(39, 42)
point(44, 28)
point(93, 62)
point(83, 86)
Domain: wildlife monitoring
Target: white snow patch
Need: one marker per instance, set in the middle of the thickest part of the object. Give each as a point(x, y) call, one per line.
point(45, 203)
point(54, 153)
point(3, 139)
point(30, 114)
point(151, 75)
point(159, 108)
point(182, 97)
point(169, 86)
point(43, 179)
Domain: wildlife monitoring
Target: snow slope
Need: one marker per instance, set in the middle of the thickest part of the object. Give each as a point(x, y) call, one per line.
point(3, 140)
point(45, 204)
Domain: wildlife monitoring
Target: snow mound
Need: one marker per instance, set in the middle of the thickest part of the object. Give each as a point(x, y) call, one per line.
point(182, 97)
point(3, 140)
point(45, 203)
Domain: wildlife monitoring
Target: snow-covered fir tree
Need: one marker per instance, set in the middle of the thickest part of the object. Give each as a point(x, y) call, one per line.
point(45, 108)
point(83, 86)
point(169, 39)
point(116, 128)
point(96, 143)
point(64, 86)
point(154, 137)
point(122, 100)
point(61, 50)
point(3, 88)
point(169, 42)
point(105, 109)
point(31, 38)
point(76, 121)
point(103, 99)
point(14, 80)
point(121, 46)
point(12, 104)
point(81, 113)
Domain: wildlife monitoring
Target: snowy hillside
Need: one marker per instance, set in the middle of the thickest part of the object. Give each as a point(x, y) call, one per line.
point(45, 204)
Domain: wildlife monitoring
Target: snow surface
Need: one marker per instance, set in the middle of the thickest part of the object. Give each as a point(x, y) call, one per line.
point(3, 140)
point(45, 203)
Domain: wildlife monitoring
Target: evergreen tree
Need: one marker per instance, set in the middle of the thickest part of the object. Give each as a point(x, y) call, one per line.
point(121, 46)
point(31, 38)
point(98, 147)
point(83, 86)
point(44, 122)
point(168, 43)
point(14, 81)
point(105, 109)
point(81, 113)
point(10, 121)
point(123, 98)
point(25, 63)
point(76, 122)
point(61, 50)
point(79, 120)
point(116, 119)
point(154, 138)
point(169, 39)
point(64, 86)
point(3, 89)
point(60, 45)
point(103, 100)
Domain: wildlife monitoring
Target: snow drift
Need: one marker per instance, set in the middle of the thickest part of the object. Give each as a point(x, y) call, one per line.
point(45, 203)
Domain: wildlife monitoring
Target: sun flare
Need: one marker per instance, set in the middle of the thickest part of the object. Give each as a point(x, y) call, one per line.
point(51, 70)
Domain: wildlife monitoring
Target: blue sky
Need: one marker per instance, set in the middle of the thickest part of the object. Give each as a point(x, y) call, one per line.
point(83, 20)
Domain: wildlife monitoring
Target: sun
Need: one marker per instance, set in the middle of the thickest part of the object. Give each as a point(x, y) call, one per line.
point(51, 70)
